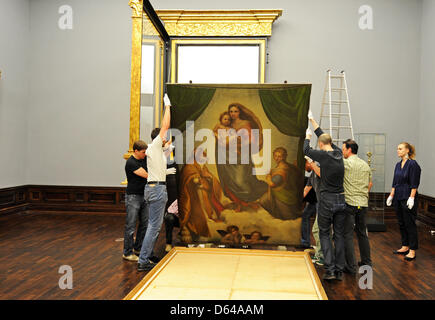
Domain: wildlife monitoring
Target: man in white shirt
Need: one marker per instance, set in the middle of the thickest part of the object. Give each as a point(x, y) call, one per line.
point(155, 190)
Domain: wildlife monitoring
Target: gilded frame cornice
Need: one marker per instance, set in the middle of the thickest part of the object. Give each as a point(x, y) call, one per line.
point(219, 23)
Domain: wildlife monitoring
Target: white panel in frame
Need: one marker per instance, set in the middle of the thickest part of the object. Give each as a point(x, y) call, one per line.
point(218, 63)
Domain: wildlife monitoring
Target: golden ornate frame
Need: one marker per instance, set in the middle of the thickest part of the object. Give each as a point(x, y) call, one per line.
point(136, 63)
point(260, 42)
point(219, 23)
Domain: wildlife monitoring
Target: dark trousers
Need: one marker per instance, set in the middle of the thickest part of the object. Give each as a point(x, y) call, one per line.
point(309, 211)
point(331, 211)
point(136, 210)
point(407, 226)
point(356, 221)
point(171, 221)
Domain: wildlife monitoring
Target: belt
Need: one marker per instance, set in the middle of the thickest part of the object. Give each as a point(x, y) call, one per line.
point(157, 182)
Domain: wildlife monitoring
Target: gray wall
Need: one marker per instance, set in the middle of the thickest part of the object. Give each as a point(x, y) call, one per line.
point(79, 94)
point(426, 151)
point(78, 104)
point(14, 86)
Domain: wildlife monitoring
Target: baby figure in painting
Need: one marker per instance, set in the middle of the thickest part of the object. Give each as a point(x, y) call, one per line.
point(223, 131)
point(233, 236)
point(224, 124)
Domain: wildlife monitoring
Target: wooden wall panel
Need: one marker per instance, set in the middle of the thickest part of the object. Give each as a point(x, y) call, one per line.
point(101, 200)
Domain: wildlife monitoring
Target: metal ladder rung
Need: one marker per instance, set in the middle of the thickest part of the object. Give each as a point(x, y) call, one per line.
point(341, 127)
point(338, 89)
point(335, 114)
point(337, 102)
point(338, 77)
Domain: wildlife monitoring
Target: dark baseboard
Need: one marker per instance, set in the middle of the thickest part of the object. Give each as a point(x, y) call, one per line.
point(63, 199)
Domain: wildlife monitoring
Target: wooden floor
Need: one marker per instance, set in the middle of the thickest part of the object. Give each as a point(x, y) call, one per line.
point(34, 246)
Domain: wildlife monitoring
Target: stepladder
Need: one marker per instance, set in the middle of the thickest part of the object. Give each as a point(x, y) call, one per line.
point(335, 116)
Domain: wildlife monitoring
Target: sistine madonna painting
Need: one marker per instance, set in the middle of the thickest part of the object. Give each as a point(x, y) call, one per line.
point(240, 161)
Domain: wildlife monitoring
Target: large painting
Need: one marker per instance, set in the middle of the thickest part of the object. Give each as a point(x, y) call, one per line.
point(240, 159)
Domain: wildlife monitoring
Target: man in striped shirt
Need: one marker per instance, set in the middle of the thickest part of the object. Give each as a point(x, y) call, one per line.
point(357, 184)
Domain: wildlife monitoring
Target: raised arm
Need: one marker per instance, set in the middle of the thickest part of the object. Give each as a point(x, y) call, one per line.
point(166, 122)
point(313, 122)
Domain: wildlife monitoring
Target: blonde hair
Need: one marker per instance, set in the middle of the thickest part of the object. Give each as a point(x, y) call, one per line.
point(411, 148)
point(325, 138)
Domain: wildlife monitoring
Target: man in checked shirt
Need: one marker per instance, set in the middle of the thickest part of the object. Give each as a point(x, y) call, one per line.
point(357, 184)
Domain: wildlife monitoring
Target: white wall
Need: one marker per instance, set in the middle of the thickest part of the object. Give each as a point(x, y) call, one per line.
point(426, 150)
point(80, 93)
point(14, 86)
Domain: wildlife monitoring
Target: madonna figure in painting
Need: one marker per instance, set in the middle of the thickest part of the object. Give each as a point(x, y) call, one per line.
point(237, 180)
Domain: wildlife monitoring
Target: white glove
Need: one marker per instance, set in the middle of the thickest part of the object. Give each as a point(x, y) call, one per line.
point(310, 115)
point(166, 100)
point(389, 201)
point(308, 159)
point(171, 171)
point(410, 203)
point(308, 132)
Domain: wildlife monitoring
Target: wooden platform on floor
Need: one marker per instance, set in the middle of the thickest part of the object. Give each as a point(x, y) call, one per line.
point(231, 274)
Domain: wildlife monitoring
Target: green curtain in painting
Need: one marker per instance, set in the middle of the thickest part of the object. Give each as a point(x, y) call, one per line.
point(287, 108)
point(189, 103)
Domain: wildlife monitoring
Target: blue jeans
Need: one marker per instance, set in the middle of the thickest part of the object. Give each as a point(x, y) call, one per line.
point(136, 209)
point(155, 198)
point(331, 211)
point(309, 211)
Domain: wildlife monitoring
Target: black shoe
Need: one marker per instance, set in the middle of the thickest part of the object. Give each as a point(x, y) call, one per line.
point(398, 252)
point(328, 276)
point(154, 259)
point(145, 266)
point(346, 270)
point(338, 275)
point(410, 259)
point(364, 264)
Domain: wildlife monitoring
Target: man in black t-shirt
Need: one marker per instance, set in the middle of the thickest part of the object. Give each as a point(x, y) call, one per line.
point(332, 202)
point(136, 171)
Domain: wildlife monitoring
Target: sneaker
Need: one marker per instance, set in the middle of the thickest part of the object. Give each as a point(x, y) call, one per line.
point(154, 259)
point(168, 247)
point(318, 261)
point(131, 257)
point(310, 251)
point(145, 266)
point(136, 252)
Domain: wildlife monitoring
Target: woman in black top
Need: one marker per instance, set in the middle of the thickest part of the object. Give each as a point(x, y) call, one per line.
point(405, 198)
